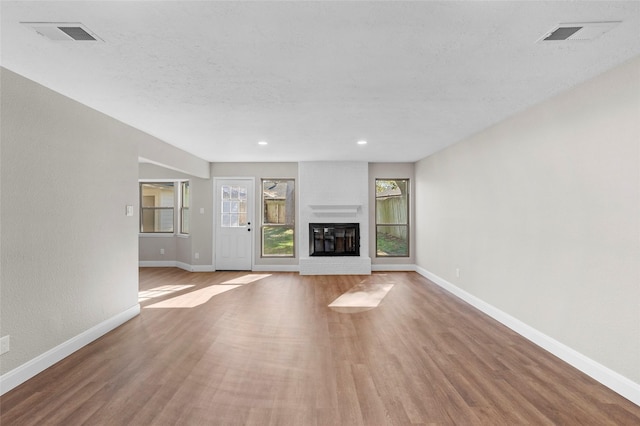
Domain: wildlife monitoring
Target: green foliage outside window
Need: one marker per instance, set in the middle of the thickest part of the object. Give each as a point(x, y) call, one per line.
point(392, 217)
point(278, 215)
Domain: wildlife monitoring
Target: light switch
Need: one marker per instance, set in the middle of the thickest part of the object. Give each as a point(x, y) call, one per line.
point(201, 210)
point(129, 210)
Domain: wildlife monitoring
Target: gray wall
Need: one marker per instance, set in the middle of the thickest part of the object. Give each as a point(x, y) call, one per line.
point(261, 171)
point(541, 214)
point(390, 171)
point(180, 248)
point(155, 151)
point(68, 251)
point(200, 241)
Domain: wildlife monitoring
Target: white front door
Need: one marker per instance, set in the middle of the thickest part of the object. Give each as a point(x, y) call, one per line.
point(234, 224)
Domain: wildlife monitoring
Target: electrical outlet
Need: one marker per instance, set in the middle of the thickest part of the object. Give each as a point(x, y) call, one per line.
point(4, 345)
point(161, 251)
point(457, 272)
point(197, 255)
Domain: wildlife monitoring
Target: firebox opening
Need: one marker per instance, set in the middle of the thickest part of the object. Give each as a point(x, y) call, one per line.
point(334, 239)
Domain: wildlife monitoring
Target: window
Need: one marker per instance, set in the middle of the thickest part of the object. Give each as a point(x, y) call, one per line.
point(185, 202)
point(234, 206)
point(392, 217)
point(156, 207)
point(278, 213)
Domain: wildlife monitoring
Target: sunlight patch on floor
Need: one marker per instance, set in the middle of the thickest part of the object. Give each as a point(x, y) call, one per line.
point(153, 293)
point(361, 297)
point(247, 279)
point(194, 298)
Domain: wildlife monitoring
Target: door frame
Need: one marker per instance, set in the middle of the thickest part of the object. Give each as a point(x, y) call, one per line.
point(251, 181)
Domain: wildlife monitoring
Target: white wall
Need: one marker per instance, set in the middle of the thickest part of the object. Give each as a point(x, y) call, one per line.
point(541, 214)
point(331, 184)
point(69, 252)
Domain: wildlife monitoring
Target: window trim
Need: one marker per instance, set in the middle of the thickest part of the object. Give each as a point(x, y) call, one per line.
point(143, 209)
point(183, 208)
point(177, 207)
point(406, 225)
point(292, 225)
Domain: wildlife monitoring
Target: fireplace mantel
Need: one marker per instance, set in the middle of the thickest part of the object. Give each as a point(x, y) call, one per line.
point(335, 209)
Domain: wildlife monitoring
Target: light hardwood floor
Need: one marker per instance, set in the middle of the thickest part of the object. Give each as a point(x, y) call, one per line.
point(271, 352)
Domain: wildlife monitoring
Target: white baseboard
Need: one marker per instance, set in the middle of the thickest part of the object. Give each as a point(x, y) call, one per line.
point(211, 268)
point(21, 374)
point(157, 264)
point(392, 267)
point(259, 268)
point(184, 266)
point(614, 381)
point(175, 264)
point(276, 268)
point(202, 268)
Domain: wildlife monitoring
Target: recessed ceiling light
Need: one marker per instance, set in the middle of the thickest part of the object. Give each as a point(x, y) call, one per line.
point(262, 143)
point(362, 142)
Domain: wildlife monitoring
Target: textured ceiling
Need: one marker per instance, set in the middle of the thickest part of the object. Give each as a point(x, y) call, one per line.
point(312, 78)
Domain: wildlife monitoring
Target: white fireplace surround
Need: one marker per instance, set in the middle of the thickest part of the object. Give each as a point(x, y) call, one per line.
point(334, 192)
point(335, 210)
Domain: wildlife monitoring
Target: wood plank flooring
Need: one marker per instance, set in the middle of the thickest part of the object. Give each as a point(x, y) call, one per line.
point(270, 352)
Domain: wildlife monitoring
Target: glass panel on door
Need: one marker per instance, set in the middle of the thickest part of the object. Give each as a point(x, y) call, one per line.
point(234, 206)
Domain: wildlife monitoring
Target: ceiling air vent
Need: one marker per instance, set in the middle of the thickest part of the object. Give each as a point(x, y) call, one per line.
point(63, 31)
point(579, 31)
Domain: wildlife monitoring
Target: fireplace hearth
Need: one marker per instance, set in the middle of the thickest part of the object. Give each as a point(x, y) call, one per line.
point(334, 239)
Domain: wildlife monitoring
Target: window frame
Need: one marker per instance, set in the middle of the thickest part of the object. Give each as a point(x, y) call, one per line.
point(406, 225)
point(185, 210)
point(177, 207)
point(141, 183)
point(264, 224)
